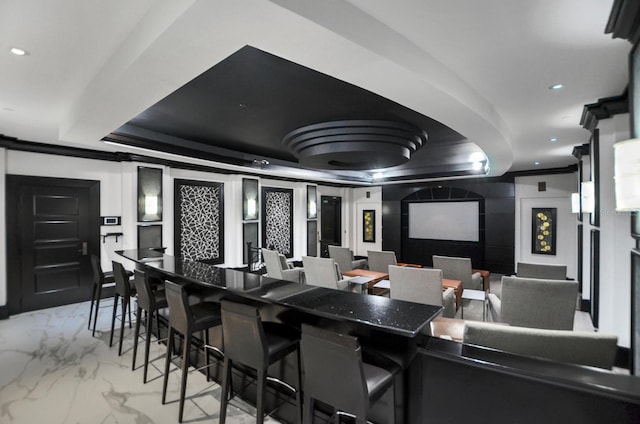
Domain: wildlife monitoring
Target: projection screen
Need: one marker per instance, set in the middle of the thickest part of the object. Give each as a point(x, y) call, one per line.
point(457, 221)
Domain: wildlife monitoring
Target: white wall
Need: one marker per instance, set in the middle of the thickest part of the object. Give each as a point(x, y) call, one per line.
point(557, 195)
point(615, 240)
point(3, 226)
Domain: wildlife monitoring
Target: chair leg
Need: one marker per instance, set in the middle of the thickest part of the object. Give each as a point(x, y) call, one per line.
point(167, 360)
point(207, 361)
point(136, 334)
point(299, 388)
point(147, 343)
point(93, 300)
point(262, 380)
point(226, 382)
point(307, 412)
point(185, 371)
point(125, 306)
point(97, 303)
point(113, 318)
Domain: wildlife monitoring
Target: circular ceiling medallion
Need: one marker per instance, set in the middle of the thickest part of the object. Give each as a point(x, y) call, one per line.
point(355, 144)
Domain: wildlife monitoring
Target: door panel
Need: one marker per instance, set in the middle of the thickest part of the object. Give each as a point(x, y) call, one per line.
point(53, 225)
point(330, 223)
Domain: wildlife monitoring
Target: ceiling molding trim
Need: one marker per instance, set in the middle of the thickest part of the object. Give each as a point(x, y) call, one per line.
point(566, 170)
point(624, 20)
point(603, 109)
point(580, 151)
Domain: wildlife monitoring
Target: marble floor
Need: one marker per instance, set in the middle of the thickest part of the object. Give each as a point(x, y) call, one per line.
point(53, 371)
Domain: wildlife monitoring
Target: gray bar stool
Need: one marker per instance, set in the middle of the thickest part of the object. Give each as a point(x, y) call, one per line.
point(187, 319)
point(125, 290)
point(335, 374)
point(150, 301)
point(256, 344)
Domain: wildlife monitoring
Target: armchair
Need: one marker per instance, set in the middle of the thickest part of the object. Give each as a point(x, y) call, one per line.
point(535, 302)
point(379, 261)
point(421, 285)
point(277, 267)
point(576, 347)
point(458, 269)
point(324, 272)
point(550, 272)
point(344, 258)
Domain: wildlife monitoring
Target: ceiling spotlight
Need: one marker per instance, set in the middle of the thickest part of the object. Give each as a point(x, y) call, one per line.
point(377, 175)
point(556, 86)
point(536, 163)
point(477, 157)
point(476, 166)
point(18, 52)
point(553, 139)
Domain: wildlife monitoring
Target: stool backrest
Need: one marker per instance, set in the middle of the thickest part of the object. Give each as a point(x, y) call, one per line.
point(122, 279)
point(180, 317)
point(146, 300)
point(333, 369)
point(98, 275)
point(243, 334)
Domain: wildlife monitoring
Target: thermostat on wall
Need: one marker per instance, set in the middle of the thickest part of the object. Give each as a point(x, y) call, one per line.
point(110, 220)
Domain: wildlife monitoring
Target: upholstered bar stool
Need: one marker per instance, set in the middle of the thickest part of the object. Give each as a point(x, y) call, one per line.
point(124, 290)
point(150, 301)
point(100, 279)
point(187, 319)
point(335, 374)
point(253, 343)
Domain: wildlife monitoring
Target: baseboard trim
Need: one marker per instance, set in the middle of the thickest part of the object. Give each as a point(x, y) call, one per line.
point(4, 312)
point(585, 305)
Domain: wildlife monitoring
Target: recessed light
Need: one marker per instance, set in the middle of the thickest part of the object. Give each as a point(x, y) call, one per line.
point(553, 139)
point(556, 86)
point(536, 163)
point(18, 52)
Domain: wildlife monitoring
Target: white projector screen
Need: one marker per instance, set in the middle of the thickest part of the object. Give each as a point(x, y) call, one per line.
point(445, 221)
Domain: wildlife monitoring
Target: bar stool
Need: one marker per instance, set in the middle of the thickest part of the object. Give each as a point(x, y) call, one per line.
point(187, 319)
point(250, 342)
point(150, 301)
point(99, 280)
point(335, 374)
point(124, 289)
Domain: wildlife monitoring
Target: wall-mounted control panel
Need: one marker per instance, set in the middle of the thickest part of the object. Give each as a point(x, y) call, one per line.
point(110, 220)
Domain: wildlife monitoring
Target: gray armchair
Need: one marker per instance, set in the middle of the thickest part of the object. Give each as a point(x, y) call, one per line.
point(325, 272)
point(277, 267)
point(379, 261)
point(344, 258)
point(532, 270)
point(576, 347)
point(421, 285)
point(534, 302)
point(458, 269)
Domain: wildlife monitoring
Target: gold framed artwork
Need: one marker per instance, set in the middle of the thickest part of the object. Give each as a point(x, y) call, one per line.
point(369, 226)
point(543, 231)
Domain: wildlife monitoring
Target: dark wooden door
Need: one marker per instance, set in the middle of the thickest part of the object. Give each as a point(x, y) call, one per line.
point(330, 223)
point(54, 226)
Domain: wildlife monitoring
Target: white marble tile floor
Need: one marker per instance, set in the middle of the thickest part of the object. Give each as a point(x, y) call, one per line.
point(52, 370)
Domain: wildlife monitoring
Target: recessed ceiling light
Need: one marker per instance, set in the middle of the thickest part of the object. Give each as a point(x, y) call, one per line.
point(553, 139)
point(536, 163)
point(18, 52)
point(556, 86)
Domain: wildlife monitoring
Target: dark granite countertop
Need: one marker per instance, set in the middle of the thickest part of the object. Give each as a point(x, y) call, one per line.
point(390, 315)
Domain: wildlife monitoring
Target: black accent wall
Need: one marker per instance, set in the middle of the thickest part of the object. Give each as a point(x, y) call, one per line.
point(496, 248)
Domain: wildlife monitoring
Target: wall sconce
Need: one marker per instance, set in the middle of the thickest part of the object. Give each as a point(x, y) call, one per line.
point(149, 194)
point(575, 202)
point(626, 157)
point(312, 202)
point(588, 197)
point(249, 199)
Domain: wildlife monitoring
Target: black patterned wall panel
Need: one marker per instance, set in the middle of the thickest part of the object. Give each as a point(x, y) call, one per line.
point(199, 221)
point(277, 226)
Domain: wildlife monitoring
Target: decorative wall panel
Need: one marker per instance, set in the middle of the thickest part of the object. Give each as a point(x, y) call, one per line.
point(199, 225)
point(277, 228)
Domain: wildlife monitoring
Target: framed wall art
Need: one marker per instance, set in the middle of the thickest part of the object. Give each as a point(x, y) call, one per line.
point(543, 231)
point(369, 226)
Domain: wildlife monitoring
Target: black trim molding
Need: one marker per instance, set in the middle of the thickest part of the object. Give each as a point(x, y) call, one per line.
point(4, 312)
point(624, 20)
point(603, 109)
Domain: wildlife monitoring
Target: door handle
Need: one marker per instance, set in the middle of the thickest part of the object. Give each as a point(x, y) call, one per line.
point(85, 249)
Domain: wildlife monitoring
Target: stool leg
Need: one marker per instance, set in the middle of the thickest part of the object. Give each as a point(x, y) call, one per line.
point(307, 413)
point(299, 388)
point(93, 300)
point(261, 374)
point(167, 360)
point(147, 343)
point(226, 382)
point(113, 318)
point(135, 339)
point(95, 313)
point(125, 306)
point(207, 362)
point(185, 369)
